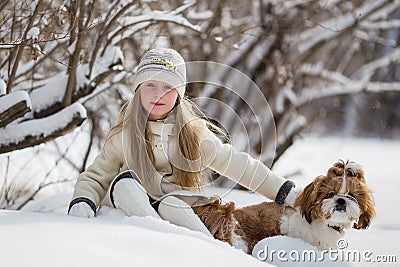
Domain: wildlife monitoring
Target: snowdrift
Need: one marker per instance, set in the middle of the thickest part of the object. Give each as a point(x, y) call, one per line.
point(111, 239)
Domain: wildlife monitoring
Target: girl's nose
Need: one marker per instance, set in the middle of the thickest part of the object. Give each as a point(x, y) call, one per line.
point(158, 91)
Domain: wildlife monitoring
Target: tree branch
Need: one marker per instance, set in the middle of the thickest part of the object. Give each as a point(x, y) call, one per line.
point(74, 59)
point(21, 47)
point(103, 34)
point(13, 106)
point(34, 132)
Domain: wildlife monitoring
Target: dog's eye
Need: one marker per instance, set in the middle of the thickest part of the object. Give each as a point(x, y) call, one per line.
point(350, 173)
point(337, 173)
point(330, 194)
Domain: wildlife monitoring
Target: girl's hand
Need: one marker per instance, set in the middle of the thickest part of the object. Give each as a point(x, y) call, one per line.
point(81, 209)
point(291, 197)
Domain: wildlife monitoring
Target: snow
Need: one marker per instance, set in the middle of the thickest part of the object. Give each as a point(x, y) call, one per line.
point(10, 100)
point(200, 15)
point(108, 240)
point(33, 33)
point(218, 39)
point(51, 91)
point(3, 87)
point(48, 239)
point(10, 46)
point(15, 133)
point(102, 64)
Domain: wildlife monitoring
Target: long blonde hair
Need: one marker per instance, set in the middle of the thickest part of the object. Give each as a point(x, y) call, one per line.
point(189, 121)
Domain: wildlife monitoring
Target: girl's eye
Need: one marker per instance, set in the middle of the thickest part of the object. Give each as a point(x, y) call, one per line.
point(167, 88)
point(150, 84)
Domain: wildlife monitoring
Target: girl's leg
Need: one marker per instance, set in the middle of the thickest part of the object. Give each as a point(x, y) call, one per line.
point(180, 213)
point(128, 195)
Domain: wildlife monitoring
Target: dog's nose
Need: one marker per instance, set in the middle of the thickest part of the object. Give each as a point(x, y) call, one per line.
point(340, 205)
point(341, 201)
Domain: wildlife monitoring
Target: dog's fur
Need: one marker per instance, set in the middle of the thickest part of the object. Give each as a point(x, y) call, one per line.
point(323, 211)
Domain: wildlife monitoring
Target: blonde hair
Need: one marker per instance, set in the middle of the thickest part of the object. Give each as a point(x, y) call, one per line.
point(139, 155)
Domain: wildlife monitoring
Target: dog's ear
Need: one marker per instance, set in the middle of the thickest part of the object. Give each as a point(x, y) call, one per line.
point(305, 200)
point(367, 207)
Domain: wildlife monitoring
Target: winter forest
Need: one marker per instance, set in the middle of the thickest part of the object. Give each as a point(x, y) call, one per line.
point(326, 68)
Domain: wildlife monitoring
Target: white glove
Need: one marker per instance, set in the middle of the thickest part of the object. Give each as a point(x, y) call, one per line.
point(292, 195)
point(81, 209)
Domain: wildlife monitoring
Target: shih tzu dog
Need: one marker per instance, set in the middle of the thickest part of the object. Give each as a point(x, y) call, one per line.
point(322, 212)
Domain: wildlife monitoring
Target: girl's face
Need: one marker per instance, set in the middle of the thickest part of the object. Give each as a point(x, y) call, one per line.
point(158, 98)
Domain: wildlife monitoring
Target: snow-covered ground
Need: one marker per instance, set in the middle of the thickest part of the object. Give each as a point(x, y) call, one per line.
point(38, 239)
point(48, 239)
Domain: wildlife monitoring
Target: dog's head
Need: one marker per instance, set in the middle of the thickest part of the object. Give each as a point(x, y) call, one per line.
point(340, 199)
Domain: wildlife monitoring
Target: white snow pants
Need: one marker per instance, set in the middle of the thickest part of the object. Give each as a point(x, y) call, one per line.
point(129, 196)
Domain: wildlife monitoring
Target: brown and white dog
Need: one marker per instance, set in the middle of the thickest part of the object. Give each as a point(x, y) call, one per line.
point(322, 212)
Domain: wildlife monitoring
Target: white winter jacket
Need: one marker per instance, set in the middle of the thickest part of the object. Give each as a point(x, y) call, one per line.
point(94, 183)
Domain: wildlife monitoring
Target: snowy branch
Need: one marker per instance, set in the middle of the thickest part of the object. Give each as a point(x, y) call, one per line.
point(310, 94)
point(48, 95)
point(2, 87)
point(13, 106)
point(37, 131)
point(154, 16)
point(106, 28)
point(330, 28)
point(381, 25)
point(318, 70)
point(369, 69)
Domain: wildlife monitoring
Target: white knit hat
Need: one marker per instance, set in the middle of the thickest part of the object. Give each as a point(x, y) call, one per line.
point(165, 65)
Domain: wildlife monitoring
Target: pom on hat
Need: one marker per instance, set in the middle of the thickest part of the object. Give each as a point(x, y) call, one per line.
point(165, 65)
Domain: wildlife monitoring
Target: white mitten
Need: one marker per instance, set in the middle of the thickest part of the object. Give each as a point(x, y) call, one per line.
point(81, 209)
point(292, 195)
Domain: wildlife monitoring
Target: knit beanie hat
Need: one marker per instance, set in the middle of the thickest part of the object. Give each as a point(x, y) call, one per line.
point(165, 65)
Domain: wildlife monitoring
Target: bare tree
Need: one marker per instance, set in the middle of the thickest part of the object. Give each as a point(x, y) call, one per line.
point(314, 61)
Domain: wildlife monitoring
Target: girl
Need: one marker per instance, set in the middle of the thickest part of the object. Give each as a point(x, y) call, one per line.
point(153, 160)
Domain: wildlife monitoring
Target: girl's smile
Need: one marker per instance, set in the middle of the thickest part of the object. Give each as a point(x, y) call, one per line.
point(157, 103)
